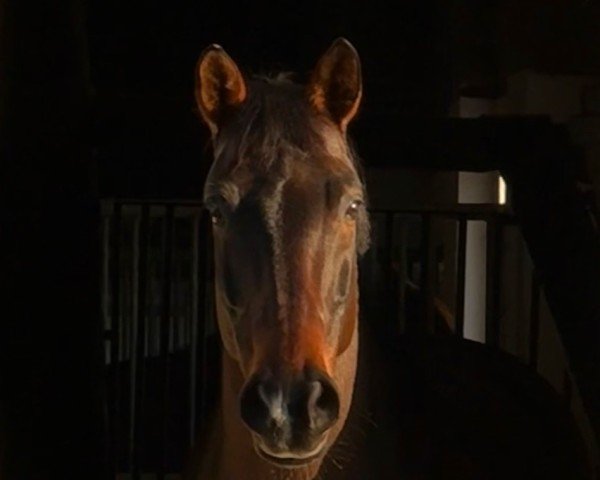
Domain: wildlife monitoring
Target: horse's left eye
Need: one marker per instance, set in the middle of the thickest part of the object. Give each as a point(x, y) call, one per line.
point(353, 209)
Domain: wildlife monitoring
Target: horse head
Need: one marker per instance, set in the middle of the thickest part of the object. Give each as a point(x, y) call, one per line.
point(289, 221)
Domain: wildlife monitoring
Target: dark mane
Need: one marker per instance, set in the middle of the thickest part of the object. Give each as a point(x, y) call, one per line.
point(276, 123)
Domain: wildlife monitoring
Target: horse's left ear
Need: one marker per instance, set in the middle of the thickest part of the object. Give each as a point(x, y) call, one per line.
point(335, 87)
point(220, 87)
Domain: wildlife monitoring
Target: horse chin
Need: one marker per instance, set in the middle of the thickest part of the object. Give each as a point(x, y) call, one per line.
point(289, 459)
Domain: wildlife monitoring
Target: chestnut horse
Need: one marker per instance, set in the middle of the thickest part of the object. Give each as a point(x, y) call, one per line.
point(289, 223)
point(289, 220)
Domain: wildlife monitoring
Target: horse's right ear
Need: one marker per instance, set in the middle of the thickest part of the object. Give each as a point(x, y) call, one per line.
point(220, 86)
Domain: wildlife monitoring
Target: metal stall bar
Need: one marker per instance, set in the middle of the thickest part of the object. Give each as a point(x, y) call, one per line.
point(206, 266)
point(461, 261)
point(427, 299)
point(140, 246)
point(200, 254)
point(115, 327)
point(196, 319)
point(165, 329)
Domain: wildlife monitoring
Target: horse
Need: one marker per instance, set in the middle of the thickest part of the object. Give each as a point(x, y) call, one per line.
point(289, 222)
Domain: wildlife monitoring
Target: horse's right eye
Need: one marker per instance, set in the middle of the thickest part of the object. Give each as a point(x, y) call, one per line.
point(216, 217)
point(216, 207)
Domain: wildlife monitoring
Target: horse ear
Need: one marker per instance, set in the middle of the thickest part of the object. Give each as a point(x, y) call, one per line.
point(220, 87)
point(335, 87)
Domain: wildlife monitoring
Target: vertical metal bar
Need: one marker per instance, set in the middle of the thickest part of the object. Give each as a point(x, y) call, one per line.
point(138, 341)
point(135, 247)
point(196, 318)
point(206, 267)
point(461, 261)
point(165, 329)
point(194, 281)
point(427, 297)
point(492, 324)
point(534, 320)
point(104, 282)
point(115, 332)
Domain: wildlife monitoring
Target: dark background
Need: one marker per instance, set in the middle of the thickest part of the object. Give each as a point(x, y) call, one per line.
point(417, 57)
point(96, 100)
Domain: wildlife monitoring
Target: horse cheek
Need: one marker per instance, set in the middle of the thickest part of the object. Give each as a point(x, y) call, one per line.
point(228, 334)
point(349, 320)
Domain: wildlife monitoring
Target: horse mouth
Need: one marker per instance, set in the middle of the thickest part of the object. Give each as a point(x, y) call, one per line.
point(291, 459)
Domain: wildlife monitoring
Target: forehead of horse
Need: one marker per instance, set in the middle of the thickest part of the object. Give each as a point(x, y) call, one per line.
point(275, 139)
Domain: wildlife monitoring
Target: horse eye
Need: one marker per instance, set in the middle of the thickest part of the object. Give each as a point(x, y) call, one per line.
point(216, 217)
point(353, 209)
point(216, 208)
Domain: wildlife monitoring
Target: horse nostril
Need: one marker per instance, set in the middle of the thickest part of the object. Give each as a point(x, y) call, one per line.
point(254, 407)
point(323, 405)
point(289, 409)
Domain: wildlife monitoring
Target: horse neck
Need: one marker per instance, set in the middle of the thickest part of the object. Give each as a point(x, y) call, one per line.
point(237, 457)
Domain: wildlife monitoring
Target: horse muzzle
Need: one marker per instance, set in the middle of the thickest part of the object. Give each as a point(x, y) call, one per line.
point(290, 415)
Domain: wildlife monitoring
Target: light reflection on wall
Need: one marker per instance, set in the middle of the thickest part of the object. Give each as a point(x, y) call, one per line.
point(501, 190)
